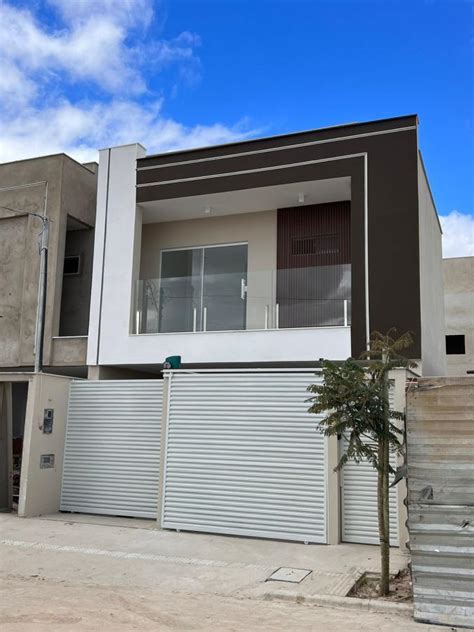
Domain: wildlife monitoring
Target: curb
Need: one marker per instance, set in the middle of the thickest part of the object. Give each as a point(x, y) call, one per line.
point(353, 603)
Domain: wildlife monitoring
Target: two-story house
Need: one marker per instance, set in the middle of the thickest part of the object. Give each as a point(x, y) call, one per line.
point(250, 261)
point(64, 192)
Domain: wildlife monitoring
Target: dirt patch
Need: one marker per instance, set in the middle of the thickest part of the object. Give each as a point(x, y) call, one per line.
point(400, 587)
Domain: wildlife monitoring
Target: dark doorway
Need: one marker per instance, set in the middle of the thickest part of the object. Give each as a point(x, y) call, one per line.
point(77, 279)
point(13, 399)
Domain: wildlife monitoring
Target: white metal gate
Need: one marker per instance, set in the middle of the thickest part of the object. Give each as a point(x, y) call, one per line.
point(244, 456)
point(112, 450)
point(359, 501)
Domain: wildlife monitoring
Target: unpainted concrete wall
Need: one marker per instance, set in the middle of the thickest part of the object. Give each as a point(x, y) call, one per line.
point(71, 188)
point(431, 280)
point(76, 288)
point(40, 489)
point(459, 309)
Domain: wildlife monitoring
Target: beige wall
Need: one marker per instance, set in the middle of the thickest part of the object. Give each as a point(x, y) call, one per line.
point(433, 355)
point(459, 310)
point(259, 230)
point(40, 489)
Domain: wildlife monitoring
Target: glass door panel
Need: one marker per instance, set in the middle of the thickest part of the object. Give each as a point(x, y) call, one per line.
point(225, 288)
point(180, 300)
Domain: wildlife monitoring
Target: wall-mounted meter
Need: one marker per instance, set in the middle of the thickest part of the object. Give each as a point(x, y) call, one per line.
point(48, 418)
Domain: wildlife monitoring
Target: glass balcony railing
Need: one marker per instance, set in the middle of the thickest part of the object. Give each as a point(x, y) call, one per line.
point(277, 299)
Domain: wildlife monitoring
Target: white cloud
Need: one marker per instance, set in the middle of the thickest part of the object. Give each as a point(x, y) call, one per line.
point(458, 234)
point(100, 44)
point(80, 129)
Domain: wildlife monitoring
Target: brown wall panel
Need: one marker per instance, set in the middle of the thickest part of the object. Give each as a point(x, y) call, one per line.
point(313, 264)
point(392, 197)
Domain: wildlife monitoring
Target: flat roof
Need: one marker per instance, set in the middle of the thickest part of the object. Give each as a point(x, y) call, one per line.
point(249, 141)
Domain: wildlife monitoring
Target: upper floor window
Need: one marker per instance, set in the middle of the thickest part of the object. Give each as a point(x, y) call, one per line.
point(72, 265)
point(455, 344)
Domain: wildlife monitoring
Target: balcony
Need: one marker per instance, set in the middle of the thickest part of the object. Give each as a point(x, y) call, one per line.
point(231, 299)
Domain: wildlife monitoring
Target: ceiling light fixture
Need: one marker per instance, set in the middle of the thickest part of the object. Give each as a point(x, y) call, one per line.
point(207, 210)
point(301, 198)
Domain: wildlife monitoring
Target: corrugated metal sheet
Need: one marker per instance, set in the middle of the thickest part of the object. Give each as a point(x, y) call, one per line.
point(440, 457)
point(112, 451)
point(359, 513)
point(244, 457)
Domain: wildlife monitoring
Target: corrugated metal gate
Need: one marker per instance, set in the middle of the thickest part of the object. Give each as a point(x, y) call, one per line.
point(112, 450)
point(244, 456)
point(440, 458)
point(359, 515)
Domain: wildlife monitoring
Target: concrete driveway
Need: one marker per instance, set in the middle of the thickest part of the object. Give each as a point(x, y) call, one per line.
point(69, 574)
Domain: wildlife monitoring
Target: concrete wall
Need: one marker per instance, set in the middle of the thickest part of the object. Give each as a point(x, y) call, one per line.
point(431, 280)
point(40, 489)
point(76, 288)
point(68, 187)
point(259, 230)
point(459, 310)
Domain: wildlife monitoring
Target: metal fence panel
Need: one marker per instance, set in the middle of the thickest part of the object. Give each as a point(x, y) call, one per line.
point(440, 456)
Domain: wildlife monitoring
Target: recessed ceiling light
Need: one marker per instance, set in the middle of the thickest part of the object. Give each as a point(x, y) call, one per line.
point(301, 197)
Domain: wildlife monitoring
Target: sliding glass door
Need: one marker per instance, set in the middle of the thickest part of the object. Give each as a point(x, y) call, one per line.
point(203, 289)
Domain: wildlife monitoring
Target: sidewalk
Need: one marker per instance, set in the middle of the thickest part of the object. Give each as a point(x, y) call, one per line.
point(62, 574)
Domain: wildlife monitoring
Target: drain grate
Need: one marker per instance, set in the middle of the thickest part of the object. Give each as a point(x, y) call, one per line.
point(292, 575)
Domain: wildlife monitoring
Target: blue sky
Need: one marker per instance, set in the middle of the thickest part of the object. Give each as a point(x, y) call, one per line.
point(82, 74)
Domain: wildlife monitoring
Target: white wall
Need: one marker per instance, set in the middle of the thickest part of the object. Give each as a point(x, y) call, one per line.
point(431, 281)
point(114, 270)
point(110, 340)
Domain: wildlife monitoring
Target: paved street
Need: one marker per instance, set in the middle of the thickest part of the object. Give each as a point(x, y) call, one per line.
point(60, 575)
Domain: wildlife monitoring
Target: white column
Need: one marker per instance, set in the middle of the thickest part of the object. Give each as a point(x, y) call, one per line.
point(114, 250)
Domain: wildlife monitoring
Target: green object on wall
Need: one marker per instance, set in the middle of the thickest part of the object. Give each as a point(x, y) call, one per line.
point(172, 362)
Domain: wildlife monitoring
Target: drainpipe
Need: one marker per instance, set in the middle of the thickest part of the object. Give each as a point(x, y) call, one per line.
point(41, 313)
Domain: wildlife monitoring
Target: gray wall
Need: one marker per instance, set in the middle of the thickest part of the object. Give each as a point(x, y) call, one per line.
point(76, 288)
point(71, 189)
point(459, 310)
point(431, 281)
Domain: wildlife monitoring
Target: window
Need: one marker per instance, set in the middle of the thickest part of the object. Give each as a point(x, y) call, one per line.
point(318, 245)
point(72, 265)
point(455, 344)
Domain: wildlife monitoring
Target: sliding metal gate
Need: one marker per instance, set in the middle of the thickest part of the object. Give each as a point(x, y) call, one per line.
point(112, 451)
point(359, 501)
point(244, 456)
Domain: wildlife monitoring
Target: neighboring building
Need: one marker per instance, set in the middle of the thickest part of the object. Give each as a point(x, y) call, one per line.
point(458, 275)
point(65, 191)
point(271, 252)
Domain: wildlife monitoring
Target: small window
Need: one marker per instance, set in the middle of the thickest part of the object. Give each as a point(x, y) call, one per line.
point(318, 245)
point(455, 344)
point(72, 265)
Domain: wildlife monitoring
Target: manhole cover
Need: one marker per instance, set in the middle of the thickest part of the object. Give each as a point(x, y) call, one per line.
point(293, 575)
